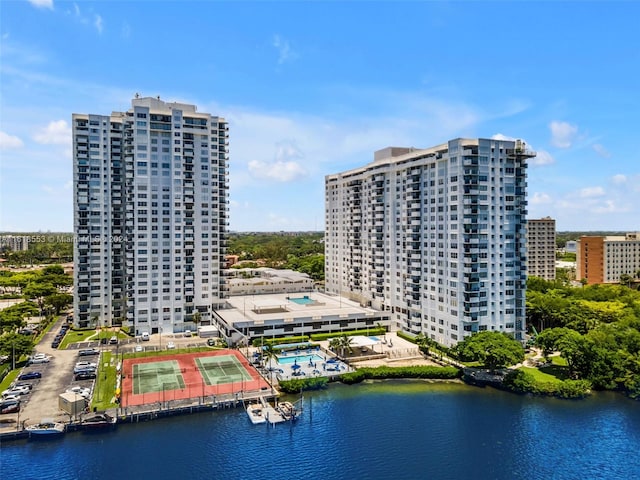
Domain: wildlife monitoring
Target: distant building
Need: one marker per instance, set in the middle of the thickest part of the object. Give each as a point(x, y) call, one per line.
point(257, 281)
point(571, 246)
point(602, 259)
point(541, 248)
point(150, 216)
point(15, 243)
point(230, 260)
point(435, 237)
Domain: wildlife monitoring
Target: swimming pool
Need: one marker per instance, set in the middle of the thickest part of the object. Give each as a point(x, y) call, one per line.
point(300, 359)
point(302, 300)
point(375, 339)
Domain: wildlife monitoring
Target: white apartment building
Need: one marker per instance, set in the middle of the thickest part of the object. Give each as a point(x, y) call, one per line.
point(436, 237)
point(150, 216)
point(264, 280)
point(541, 248)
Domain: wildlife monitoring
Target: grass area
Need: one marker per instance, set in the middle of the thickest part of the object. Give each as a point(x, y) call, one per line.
point(540, 376)
point(74, 336)
point(551, 373)
point(558, 360)
point(8, 380)
point(105, 384)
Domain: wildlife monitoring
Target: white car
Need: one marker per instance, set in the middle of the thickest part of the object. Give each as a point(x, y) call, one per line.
point(38, 358)
point(81, 366)
point(187, 333)
point(16, 391)
point(138, 348)
point(171, 346)
point(83, 392)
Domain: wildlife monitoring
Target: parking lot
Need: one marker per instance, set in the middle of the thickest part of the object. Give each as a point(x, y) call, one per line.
point(57, 375)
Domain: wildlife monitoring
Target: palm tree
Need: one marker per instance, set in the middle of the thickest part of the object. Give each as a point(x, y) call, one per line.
point(345, 343)
point(334, 344)
point(197, 316)
point(268, 354)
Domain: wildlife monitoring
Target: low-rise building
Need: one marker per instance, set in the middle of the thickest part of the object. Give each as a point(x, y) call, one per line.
point(264, 280)
point(283, 315)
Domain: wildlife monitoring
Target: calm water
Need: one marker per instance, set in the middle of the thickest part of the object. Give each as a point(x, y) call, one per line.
point(396, 430)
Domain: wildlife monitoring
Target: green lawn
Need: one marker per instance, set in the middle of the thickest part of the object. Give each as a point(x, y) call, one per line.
point(540, 376)
point(74, 336)
point(105, 384)
point(551, 373)
point(558, 360)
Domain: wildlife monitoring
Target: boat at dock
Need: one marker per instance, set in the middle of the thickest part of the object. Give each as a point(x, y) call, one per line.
point(287, 410)
point(98, 421)
point(46, 428)
point(256, 414)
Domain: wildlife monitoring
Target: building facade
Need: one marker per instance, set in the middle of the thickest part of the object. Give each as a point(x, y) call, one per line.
point(15, 243)
point(264, 280)
point(150, 216)
point(541, 248)
point(606, 259)
point(435, 237)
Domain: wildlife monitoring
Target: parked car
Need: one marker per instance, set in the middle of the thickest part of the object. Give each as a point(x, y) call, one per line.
point(113, 340)
point(85, 375)
point(171, 346)
point(8, 398)
point(211, 342)
point(30, 376)
point(83, 392)
point(138, 348)
point(16, 391)
point(55, 344)
point(145, 336)
point(82, 366)
point(21, 384)
point(187, 333)
point(37, 359)
point(87, 352)
point(10, 406)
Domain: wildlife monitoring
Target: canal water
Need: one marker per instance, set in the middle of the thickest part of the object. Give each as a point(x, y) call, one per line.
point(379, 430)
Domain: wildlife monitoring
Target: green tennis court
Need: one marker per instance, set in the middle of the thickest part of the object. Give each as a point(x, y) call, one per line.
point(156, 377)
point(222, 369)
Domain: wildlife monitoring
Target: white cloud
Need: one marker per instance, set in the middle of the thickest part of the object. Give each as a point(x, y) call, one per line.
point(9, 141)
point(562, 134)
point(278, 170)
point(499, 136)
point(285, 53)
point(591, 192)
point(97, 22)
point(57, 132)
point(540, 199)
point(42, 3)
point(542, 158)
point(600, 150)
point(619, 179)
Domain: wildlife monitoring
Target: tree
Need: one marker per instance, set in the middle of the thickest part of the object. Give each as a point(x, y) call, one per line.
point(345, 344)
point(58, 301)
point(334, 344)
point(53, 270)
point(196, 318)
point(15, 345)
point(38, 291)
point(493, 349)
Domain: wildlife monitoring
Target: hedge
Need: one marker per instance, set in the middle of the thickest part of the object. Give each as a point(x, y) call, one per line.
point(276, 341)
point(298, 384)
point(380, 373)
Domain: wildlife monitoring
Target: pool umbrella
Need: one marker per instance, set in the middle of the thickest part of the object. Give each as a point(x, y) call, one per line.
point(295, 366)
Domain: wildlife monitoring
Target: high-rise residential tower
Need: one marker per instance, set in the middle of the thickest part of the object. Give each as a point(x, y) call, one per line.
point(541, 248)
point(150, 216)
point(436, 237)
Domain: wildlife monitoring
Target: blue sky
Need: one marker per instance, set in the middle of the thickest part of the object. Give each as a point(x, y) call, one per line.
point(314, 88)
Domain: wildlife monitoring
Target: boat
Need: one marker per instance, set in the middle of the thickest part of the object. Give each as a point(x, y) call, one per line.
point(46, 428)
point(98, 421)
point(287, 410)
point(256, 414)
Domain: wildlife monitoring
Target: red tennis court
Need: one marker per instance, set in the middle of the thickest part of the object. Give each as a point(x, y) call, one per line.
point(191, 375)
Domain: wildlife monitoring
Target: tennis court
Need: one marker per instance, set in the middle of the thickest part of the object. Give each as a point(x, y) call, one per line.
point(156, 377)
point(185, 376)
point(221, 369)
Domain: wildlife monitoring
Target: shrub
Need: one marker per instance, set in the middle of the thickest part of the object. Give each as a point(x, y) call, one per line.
point(298, 384)
point(379, 373)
